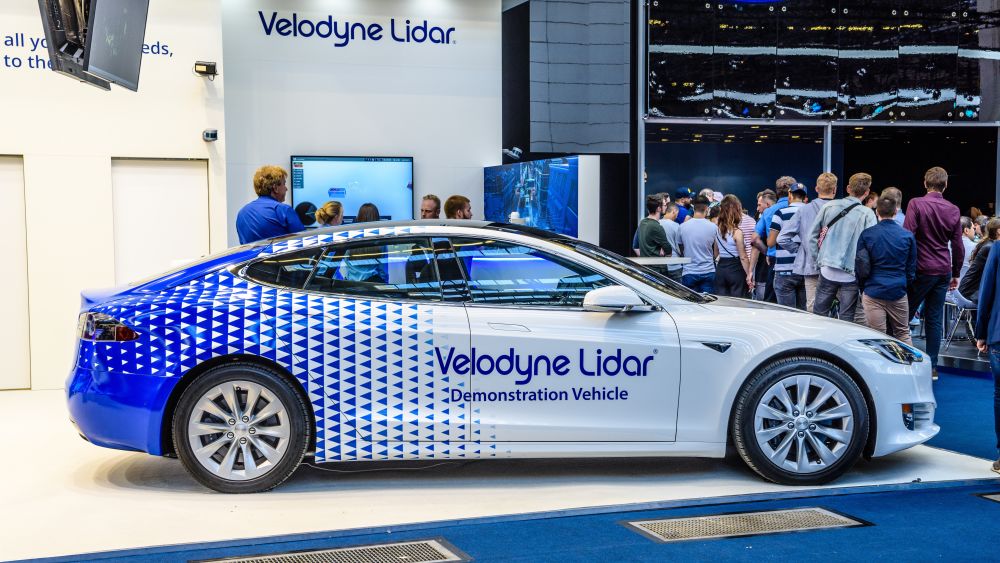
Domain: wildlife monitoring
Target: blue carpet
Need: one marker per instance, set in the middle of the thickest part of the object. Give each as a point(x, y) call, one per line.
point(919, 523)
point(965, 414)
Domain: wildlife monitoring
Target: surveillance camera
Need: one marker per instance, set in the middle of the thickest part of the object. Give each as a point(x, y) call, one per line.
point(514, 153)
point(210, 135)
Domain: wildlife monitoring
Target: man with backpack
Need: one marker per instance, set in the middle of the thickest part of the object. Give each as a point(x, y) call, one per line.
point(833, 240)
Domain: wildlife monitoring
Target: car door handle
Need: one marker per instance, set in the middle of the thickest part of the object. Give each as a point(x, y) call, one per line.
point(509, 327)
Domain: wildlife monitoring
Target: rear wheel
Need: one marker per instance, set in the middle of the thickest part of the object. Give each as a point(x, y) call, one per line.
point(800, 421)
point(241, 428)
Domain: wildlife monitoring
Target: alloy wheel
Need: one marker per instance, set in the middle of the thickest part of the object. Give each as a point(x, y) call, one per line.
point(238, 430)
point(804, 423)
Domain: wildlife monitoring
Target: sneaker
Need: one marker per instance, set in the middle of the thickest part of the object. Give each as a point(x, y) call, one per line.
point(996, 466)
point(934, 374)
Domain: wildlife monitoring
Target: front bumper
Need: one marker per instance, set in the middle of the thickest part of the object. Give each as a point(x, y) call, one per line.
point(119, 410)
point(893, 385)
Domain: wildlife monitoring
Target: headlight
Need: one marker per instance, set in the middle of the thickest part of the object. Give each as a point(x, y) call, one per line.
point(104, 328)
point(895, 351)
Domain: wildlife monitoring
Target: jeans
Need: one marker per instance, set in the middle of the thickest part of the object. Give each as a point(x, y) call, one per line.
point(769, 294)
point(790, 290)
point(995, 368)
point(702, 283)
point(845, 292)
point(930, 291)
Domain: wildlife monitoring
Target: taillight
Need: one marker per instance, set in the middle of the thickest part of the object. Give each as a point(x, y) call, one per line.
point(104, 328)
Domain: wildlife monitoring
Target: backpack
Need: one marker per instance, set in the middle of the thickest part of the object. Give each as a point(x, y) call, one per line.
point(841, 215)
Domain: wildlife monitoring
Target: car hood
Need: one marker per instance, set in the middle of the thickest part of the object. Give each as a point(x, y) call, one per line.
point(748, 304)
point(794, 322)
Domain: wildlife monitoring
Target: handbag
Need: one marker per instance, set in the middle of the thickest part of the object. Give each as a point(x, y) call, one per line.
point(841, 215)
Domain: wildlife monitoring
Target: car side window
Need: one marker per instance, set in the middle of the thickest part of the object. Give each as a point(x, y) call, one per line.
point(289, 270)
point(504, 273)
point(402, 268)
point(450, 270)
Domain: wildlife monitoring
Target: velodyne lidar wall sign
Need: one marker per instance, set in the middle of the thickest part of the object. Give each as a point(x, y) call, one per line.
point(342, 33)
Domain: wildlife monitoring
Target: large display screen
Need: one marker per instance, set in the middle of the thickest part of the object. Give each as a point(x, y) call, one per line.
point(933, 60)
point(386, 182)
point(114, 43)
point(542, 194)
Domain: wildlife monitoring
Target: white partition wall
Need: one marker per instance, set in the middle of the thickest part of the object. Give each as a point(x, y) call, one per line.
point(16, 373)
point(589, 194)
point(68, 134)
point(161, 215)
point(438, 102)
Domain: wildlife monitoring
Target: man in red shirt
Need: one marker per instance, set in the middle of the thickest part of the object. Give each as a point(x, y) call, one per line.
point(935, 222)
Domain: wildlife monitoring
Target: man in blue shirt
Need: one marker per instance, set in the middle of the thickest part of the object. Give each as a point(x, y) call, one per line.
point(781, 186)
point(682, 198)
point(886, 261)
point(267, 216)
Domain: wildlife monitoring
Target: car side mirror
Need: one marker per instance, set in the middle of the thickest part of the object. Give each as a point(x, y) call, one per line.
point(614, 299)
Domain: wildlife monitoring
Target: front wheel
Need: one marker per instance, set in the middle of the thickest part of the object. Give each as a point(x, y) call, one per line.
point(800, 421)
point(241, 428)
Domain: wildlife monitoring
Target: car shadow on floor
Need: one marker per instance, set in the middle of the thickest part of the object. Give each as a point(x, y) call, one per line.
point(143, 472)
point(702, 476)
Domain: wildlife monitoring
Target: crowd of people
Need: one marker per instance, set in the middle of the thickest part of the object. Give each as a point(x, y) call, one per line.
point(859, 258)
point(268, 216)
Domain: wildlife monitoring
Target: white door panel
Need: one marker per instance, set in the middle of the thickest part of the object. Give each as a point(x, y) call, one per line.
point(571, 375)
point(14, 281)
point(161, 215)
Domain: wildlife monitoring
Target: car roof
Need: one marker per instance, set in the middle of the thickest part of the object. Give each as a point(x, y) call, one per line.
point(388, 225)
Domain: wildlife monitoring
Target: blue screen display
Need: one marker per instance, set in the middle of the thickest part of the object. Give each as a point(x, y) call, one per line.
point(544, 193)
point(353, 181)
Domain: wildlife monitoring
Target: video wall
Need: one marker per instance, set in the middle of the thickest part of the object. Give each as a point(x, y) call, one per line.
point(930, 60)
point(538, 193)
point(386, 182)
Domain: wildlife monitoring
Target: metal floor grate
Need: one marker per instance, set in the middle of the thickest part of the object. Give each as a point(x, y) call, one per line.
point(424, 551)
point(742, 524)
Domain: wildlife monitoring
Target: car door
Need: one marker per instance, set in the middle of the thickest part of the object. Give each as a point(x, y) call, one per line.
point(544, 369)
point(376, 311)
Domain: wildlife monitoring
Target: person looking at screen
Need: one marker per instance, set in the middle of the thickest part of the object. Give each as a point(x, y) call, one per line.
point(330, 215)
point(267, 216)
point(458, 207)
point(362, 264)
point(430, 207)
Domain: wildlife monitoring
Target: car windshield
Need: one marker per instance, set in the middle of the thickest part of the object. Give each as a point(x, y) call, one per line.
point(633, 270)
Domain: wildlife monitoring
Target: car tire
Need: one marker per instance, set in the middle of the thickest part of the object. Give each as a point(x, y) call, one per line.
point(259, 442)
point(794, 440)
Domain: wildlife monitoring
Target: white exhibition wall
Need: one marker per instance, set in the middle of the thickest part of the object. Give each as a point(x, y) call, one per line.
point(292, 92)
point(68, 133)
point(180, 190)
point(14, 281)
point(427, 90)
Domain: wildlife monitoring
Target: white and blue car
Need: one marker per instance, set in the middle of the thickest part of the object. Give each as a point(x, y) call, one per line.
point(469, 340)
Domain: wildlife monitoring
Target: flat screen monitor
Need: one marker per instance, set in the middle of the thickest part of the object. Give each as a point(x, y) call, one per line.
point(386, 182)
point(114, 40)
point(539, 193)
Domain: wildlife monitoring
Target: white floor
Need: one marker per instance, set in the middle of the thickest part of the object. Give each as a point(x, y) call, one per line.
point(63, 496)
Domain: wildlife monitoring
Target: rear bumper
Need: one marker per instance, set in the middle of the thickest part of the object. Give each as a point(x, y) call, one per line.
point(119, 410)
